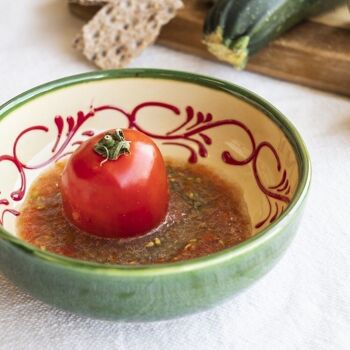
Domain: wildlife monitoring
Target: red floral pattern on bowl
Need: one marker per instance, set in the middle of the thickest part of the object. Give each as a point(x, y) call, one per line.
point(194, 130)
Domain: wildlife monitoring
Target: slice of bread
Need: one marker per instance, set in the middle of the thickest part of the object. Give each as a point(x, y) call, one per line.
point(122, 29)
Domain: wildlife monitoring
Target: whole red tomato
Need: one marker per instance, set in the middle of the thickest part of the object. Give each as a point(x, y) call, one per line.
point(116, 195)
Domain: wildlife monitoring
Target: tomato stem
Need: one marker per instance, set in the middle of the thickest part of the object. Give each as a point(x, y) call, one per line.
point(112, 145)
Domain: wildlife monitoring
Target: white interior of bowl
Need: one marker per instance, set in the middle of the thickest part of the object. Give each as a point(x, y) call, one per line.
point(224, 118)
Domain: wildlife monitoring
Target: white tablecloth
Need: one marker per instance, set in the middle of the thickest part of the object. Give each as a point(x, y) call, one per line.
point(304, 303)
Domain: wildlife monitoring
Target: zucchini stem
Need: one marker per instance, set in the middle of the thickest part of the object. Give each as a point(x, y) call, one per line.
point(235, 53)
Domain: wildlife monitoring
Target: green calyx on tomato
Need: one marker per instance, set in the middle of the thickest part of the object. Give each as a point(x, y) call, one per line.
point(112, 146)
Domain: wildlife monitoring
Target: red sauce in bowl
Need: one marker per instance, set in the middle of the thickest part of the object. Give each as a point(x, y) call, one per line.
point(205, 215)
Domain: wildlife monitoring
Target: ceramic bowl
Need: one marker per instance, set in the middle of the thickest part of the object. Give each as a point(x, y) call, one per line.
point(192, 118)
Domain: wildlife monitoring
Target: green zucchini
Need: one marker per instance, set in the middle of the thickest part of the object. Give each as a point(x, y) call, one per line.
point(236, 29)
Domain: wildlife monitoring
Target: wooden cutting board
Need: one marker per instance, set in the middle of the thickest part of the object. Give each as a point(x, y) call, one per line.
point(315, 53)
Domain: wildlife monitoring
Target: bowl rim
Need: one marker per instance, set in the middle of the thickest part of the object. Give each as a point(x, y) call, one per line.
point(210, 260)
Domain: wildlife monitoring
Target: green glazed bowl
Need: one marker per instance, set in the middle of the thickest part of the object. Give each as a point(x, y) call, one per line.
point(193, 118)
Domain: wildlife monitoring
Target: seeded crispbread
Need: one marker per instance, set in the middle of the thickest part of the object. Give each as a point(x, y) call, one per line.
point(122, 29)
